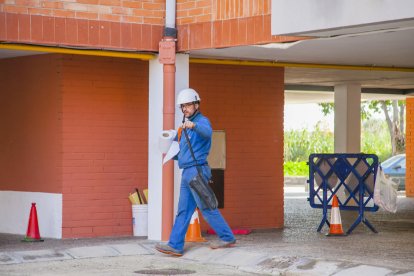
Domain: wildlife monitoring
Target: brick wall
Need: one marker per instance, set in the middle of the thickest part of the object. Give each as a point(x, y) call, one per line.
point(108, 24)
point(247, 102)
point(144, 12)
point(409, 135)
point(105, 143)
point(30, 126)
point(205, 24)
point(137, 25)
point(39, 29)
point(196, 11)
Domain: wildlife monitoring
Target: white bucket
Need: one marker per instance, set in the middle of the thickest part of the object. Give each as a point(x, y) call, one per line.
point(140, 219)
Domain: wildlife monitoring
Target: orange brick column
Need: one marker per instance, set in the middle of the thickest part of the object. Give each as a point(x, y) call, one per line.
point(247, 103)
point(104, 119)
point(409, 181)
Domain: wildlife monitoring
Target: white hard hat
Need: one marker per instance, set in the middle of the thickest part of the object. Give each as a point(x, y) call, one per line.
point(187, 95)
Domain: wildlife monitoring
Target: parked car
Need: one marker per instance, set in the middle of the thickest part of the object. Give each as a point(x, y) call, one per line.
point(394, 168)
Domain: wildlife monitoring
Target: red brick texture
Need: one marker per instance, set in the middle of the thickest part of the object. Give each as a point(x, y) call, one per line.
point(105, 143)
point(78, 126)
point(247, 102)
point(87, 137)
point(205, 24)
point(196, 11)
point(227, 33)
point(409, 178)
point(137, 25)
point(48, 30)
point(30, 124)
point(142, 12)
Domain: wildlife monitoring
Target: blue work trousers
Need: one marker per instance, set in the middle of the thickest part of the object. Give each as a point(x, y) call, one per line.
point(187, 203)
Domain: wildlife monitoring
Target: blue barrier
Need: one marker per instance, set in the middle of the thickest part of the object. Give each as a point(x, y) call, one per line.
point(351, 174)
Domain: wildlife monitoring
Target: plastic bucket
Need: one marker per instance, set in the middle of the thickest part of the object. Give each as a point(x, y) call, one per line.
point(140, 220)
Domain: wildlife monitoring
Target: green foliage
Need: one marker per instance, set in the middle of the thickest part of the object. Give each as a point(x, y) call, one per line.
point(299, 144)
point(375, 139)
point(295, 168)
point(368, 108)
point(327, 108)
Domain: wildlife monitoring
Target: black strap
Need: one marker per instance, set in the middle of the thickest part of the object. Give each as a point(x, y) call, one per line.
point(191, 149)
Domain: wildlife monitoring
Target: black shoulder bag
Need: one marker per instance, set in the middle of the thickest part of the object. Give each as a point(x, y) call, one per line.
point(199, 184)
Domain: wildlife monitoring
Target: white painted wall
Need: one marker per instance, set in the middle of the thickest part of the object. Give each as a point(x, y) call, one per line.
point(347, 121)
point(307, 16)
point(155, 128)
point(182, 80)
point(15, 211)
point(154, 155)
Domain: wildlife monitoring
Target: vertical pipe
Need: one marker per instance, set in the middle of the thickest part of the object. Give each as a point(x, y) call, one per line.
point(168, 168)
point(170, 14)
point(167, 58)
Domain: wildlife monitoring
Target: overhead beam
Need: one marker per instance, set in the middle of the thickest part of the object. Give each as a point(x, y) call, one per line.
point(319, 88)
point(76, 51)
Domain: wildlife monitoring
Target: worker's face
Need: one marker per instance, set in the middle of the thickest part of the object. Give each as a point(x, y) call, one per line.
point(189, 109)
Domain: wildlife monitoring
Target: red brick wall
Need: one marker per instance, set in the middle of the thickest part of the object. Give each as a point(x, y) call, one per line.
point(205, 24)
point(196, 11)
point(29, 124)
point(137, 25)
point(409, 181)
point(144, 12)
point(38, 29)
point(247, 102)
point(105, 143)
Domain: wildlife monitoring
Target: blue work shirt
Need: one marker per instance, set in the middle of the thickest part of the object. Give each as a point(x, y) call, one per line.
point(200, 139)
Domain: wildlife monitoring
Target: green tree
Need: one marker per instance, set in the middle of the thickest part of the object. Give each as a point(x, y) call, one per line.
point(394, 112)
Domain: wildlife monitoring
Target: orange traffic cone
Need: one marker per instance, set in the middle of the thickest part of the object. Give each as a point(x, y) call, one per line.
point(33, 233)
point(194, 231)
point(336, 223)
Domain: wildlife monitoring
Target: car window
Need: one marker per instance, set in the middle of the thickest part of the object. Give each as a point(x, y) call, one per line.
point(390, 161)
point(401, 163)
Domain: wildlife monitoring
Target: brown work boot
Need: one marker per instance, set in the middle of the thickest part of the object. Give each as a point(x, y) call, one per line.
point(166, 249)
point(222, 244)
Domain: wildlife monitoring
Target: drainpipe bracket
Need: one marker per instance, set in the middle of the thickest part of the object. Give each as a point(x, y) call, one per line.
point(171, 32)
point(167, 51)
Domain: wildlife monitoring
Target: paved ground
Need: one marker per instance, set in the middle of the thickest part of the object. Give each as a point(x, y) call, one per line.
point(296, 249)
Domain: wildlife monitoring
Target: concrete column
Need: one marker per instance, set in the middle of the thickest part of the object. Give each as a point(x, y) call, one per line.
point(155, 121)
point(347, 128)
point(182, 80)
point(155, 126)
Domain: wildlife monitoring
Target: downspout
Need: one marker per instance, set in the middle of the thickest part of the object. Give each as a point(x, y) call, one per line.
point(167, 58)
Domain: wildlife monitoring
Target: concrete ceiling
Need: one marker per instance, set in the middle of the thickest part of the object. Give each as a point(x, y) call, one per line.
point(381, 48)
point(388, 48)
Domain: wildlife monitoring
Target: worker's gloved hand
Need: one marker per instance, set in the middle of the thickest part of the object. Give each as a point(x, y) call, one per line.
point(188, 124)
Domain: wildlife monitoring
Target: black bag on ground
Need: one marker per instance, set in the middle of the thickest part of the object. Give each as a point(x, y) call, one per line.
point(204, 191)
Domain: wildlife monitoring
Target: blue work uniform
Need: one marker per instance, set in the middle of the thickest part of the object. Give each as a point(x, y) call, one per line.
point(200, 139)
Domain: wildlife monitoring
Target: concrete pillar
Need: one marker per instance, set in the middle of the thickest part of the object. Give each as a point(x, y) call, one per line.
point(182, 80)
point(155, 126)
point(347, 128)
point(154, 155)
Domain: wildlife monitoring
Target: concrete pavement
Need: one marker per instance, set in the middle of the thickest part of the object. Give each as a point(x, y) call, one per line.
point(295, 250)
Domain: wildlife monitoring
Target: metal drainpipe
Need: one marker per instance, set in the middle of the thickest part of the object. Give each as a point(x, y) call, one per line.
point(167, 58)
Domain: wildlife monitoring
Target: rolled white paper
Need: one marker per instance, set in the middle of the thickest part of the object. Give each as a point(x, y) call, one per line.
point(165, 140)
point(173, 151)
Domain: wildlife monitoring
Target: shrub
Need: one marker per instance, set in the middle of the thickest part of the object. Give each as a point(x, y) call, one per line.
point(295, 168)
point(299, 144)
